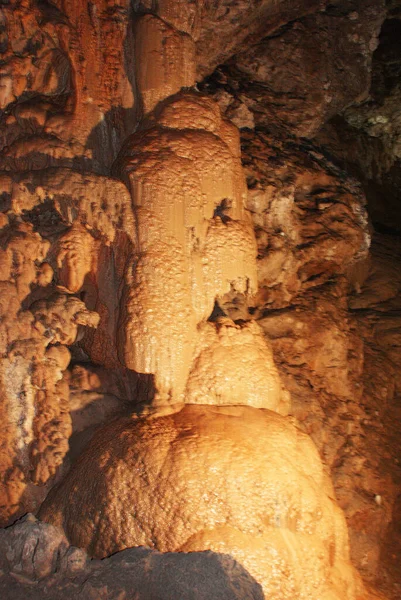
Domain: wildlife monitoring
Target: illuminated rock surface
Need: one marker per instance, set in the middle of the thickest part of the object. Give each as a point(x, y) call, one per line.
point(189, 193)
point(234, 365)
point(37, 562)
point(61, 224)
point(232, 479)
point(154, 254)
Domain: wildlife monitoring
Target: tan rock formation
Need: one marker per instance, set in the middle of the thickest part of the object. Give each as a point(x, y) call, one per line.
point(65, 83)
point(234, 365)
point(37, 561)
point(319, 335)
point(70, 226)
point(152, 292)
point(189, 192)
point(74, 258)
point(94, 228)
point(233, 479)
point(167, 60)
point(35, 418)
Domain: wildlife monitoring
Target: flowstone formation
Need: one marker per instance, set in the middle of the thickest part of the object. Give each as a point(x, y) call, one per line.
point(189, 193)
point(196, 333)
point(232, 479)
point(38, 562)
point(58, 229)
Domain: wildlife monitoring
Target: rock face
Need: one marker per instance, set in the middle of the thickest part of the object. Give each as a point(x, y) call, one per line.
point(232, 479)
point(66, 89)
point(190, 214)
point(58, 229)
point(295, 77)
point(310, 217)
point(192, 295)
point(234, 365)
point(37, 561)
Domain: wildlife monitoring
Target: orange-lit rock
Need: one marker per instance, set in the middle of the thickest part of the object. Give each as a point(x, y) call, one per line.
point(66, 70)
point(234, 479)
point(35, 419)
point(189, 192)
point(92, 222)
point(119, 299)
point(74, 257)
point(321, 337)
point(234, 365)
point(166, 60)
point(294, 78)
point(59, 223)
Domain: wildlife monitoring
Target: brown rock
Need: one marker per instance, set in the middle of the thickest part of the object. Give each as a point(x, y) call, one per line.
point(190, 216)
point(94, 228)
point(295, 76)
point(71, 227)
point(234, 365)
point(66, 83)
point(196, 488)
point(228, 26)
point(310, 218)
point(75, 80)
point(319, 336)
point(37, 562)
point(74, 258)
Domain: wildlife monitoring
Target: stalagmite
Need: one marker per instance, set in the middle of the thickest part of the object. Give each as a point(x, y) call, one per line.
point(234, 365)
point(237, 480)
point(197, 344)
point(188, 192)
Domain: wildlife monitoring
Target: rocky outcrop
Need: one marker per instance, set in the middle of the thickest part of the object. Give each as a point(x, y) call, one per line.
point(37, 561)
point(158, 325)
point(294, 77)
point(59, 226)
point(231, 479)
point(365, 138)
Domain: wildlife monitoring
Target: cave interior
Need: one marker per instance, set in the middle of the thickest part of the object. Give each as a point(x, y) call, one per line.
point(200, 299)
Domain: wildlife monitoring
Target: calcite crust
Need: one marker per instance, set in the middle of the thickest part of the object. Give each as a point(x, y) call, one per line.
point(162, 268)
point(238, 480)
point(195, 242)
point(233, 365)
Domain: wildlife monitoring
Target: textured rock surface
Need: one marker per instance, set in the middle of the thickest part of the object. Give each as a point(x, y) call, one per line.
point(66, 96)
point(310, 217)
point(116, 298)
point(232, 479)
point(294, 78)
point(58, 227)
point(162, 47)
point(366, 138)
point(342, 382)
point(190, 214)
point(234, 365)
point(376, 311)
point(37, 562)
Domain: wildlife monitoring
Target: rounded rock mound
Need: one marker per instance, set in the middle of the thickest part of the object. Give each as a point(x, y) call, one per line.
point(232, 479)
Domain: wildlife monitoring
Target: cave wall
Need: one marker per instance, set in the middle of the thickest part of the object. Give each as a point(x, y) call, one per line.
point(199, 243)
